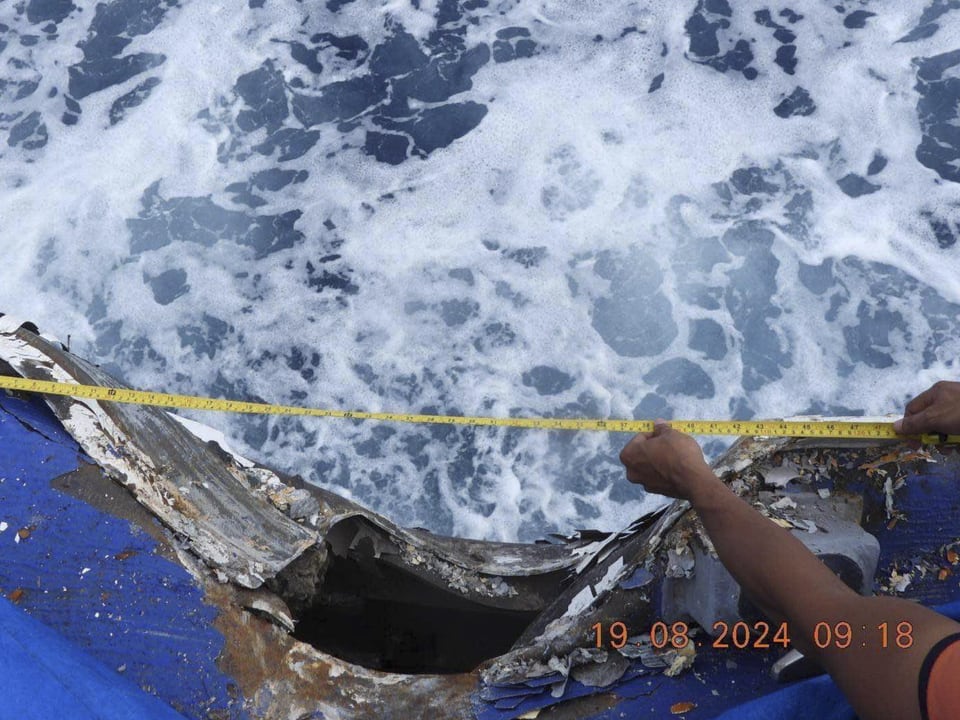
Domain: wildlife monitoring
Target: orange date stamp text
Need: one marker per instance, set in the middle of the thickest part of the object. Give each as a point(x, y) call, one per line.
point(761, 635)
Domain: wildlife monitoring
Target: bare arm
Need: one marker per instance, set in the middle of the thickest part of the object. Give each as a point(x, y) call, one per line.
point(789, 583)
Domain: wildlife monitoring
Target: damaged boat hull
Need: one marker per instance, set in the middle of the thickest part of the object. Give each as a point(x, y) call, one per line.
point(218, 589)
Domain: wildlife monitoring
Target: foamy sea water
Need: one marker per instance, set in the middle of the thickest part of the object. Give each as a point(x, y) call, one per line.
point(694, 209)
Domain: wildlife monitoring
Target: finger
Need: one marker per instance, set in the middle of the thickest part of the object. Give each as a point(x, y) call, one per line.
point(640, 438)
point(920, 422)
point(921, 402)
point(632, 447)
point(660, 426)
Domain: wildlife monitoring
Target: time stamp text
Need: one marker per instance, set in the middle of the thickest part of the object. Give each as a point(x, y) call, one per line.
point(760, 635)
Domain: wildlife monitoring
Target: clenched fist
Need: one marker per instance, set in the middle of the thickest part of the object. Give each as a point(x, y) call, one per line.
point(666, 462)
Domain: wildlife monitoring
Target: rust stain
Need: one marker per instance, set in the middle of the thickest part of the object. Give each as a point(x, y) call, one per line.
point(184, 508)
point(882, 460)
point(285, 678)
point(254, 650)
point(952, 557)
point(125, 555)
point(898, 456)
point(16, 595)
point(681, 708)
point(943, 574)
point(26, 532)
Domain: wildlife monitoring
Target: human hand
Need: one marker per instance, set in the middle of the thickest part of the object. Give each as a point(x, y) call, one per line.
point(936, 410)
point(666, 462)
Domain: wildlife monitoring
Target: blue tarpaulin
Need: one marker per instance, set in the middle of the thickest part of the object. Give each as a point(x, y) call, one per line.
point(98, 611)
point(44, 676)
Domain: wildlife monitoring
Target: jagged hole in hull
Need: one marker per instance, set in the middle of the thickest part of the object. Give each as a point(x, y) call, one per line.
point(364, 601)
point(381, 617)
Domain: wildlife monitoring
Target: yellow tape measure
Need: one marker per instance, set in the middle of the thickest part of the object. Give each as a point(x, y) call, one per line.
point(769, 428)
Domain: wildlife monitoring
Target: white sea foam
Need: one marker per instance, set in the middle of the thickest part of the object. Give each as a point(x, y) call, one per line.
point(574, 157)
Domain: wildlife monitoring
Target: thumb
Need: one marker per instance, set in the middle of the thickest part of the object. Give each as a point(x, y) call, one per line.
point(913, 424)
point(660, 426)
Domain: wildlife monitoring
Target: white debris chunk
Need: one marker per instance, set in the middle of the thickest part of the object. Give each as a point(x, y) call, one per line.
point(780, 476)
point(784, 503)
point(680, 562)
point(900, 582)
point(809, 525)
point(888, 492)
point(683, 660)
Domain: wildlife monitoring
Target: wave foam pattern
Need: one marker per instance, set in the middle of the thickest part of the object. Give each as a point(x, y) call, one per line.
point(599, 209)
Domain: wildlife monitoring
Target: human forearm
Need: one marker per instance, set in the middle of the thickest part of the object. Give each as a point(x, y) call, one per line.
point(773, 567)
point(790, 584)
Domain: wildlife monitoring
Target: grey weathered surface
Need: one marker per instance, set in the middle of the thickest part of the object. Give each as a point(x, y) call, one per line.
point(168, 469)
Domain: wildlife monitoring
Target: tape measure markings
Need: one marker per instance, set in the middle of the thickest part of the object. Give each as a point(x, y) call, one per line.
point(768, 428)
